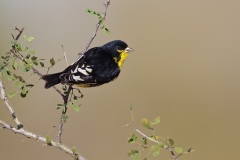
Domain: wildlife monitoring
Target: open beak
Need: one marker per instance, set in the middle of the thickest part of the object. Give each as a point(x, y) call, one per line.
point(128, 49)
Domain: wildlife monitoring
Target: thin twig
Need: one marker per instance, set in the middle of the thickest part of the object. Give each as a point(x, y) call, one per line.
point(98, 25)
point(65, 56)
point(131, 111)
point(64, 111)
point(42, 139)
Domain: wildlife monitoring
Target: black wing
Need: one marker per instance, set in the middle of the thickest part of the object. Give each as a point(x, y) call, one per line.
point(94, 68)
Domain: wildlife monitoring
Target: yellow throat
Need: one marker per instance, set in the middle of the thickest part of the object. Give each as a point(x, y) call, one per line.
point(123, 56)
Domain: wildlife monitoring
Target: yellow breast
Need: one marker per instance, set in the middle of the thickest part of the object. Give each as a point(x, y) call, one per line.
point(120, 61)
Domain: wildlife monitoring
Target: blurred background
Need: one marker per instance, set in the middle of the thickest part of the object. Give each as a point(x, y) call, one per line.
point(185, 69)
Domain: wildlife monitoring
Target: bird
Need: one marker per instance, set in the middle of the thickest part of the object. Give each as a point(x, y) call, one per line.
point(95, 67)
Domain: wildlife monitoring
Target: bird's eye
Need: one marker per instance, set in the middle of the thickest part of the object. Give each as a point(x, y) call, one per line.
point(119, 49)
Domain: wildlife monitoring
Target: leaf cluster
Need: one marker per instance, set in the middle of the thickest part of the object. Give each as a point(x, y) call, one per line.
point(153, 143)
point(101, 20)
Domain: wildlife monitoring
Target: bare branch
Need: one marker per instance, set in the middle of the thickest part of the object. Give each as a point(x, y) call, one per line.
point(98, 25)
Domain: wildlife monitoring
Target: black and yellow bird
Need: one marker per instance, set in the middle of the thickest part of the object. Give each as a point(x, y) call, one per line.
point(95, 67)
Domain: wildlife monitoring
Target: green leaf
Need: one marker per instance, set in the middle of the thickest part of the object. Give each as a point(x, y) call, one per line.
point(11, 94)
point(33, 58)
point(88, 11)
point(144, 141)
point(32, 52)
point(25, 49)
point(35, 62)
point(15, 65)
point(156, 153)
point(132, 152)
point(156, 121)
point(41, 64)
point(106, 31)
point(29, 85)
point(161, 144)
point(147, 124)
point(170, 142)
point(136, 156)
point(48, 140)
point(74, 150)
point(76, 108)
point(178, 150)
point(27, 56)
point(75, 98)
point(52, 61)
point(133, 138)
point(30, 38)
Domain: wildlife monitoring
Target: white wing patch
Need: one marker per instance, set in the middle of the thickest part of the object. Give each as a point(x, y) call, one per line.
point(83, 71)
point(77, 78)
point(89, 69)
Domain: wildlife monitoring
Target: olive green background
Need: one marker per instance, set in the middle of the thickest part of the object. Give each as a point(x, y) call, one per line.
point(185, 69)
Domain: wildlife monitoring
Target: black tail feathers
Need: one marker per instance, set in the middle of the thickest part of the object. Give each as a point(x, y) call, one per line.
point(52, 79)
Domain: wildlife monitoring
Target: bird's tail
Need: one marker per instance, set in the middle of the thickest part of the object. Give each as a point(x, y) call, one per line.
point(52, 79)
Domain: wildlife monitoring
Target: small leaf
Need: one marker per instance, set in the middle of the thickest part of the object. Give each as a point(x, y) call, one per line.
point(178, 150)
point(147, 124)
point(133, 138)
point(89, 11)
point(144, 141)
point(35, 62)
point(48, 140)
point(25, 49)
point(30, 39)
point(29, 85)
point(156, 121)
point(41, 64)
point(34, 58)
point(136, 156)
point(32, 52)
point(27, 56)
point(170, 142)
point(74, 150)
point(76, 108)
point(11, 94)
point(132, 152)
point(161, 144)
point(52, 61)
point(156, 153)
point(106, 31)
point(15, 65)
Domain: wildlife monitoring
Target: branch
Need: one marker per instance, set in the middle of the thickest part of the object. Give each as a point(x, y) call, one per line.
point(98, 25)
point(42, 139)
point(63, 116)
point(10, 109)
point(166, 147)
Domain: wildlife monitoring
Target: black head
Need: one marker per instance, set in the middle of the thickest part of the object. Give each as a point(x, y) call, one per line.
point(115, 46)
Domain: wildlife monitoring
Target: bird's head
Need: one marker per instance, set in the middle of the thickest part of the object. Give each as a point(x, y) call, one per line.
point(119, 51)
